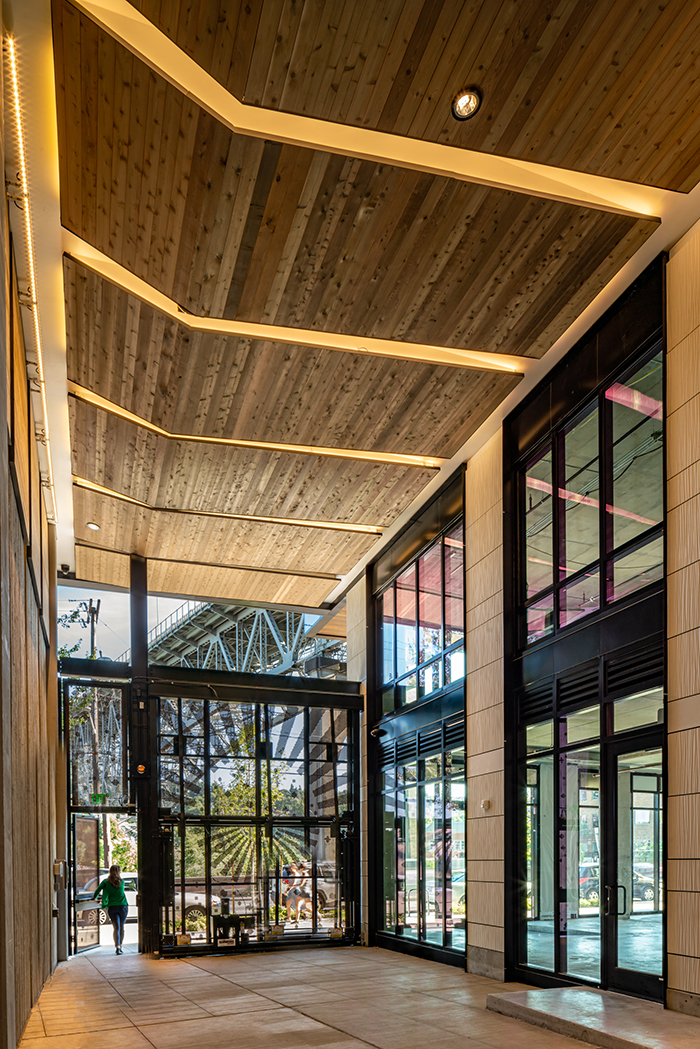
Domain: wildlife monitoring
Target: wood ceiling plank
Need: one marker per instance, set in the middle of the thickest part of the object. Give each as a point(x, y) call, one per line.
point(209, 583)
point(102, 566)
point(564, 83)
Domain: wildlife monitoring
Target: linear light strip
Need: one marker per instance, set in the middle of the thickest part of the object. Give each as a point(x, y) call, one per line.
point(86, 255)
point(24, 193)
point(88, 397)
point(333, 526)
point(127, 25)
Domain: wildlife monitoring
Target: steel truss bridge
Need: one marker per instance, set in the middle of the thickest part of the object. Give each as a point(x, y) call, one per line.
point(253, 640)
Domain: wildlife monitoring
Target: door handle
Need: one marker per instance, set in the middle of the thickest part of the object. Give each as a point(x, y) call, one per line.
point(624, 905)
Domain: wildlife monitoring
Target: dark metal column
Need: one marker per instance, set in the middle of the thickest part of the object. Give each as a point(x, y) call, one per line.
point(143, 763)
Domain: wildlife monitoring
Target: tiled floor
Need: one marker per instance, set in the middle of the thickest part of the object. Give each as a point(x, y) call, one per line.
point(340, 998)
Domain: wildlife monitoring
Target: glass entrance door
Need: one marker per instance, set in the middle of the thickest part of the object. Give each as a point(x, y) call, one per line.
point(633, 872)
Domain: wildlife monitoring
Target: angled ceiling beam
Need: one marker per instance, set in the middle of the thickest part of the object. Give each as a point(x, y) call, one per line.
point(88, 397)
point(295, 522)
point(105, 267)
point(127, 25)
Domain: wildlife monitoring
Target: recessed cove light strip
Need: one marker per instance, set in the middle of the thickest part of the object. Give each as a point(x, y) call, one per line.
point(420, 461)
point(295, 522)
point(11, 52)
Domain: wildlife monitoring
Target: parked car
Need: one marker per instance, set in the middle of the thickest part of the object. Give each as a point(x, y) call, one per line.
point(195, 902)
point(642, 886)
point(589, 882)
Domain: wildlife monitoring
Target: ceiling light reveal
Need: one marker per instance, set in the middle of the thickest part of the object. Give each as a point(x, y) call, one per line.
point(466, 104)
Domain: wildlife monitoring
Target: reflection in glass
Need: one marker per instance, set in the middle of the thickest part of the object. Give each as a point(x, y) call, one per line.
point(456, 873)
point(433, 863)
point(387, 632)
point(232, 787)
point(454, 666)
point(538, 524)
point(408, 809)
point(454, 587)
point(407, 690)
point(641, 567)
point(406, 650)
point(232, 729)
point(387, 700)
point(580, 863)
point(430, 678)
point(97, 742)
point(637, 430)
point(646, 708)
point(583, 724)
point(539, 737)
point(539, 854)
point(430, 603)
point(579, 495)
point(639, 891)
point(579, 598)
point(540, 619)
point(389, 862)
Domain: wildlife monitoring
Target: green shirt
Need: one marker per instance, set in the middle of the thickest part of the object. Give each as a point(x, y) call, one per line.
point(111, 896)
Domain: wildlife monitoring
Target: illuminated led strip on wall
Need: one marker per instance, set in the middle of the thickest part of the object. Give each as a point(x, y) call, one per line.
point(333, 526)
point(24, 193)
point(423, 461)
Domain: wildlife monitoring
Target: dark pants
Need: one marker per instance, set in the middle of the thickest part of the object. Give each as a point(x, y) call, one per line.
point(117, 916)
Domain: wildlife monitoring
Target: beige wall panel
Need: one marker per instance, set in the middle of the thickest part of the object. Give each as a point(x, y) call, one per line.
point(683, 291)
point(683, 371)
point(684, 762)
point(683, 714)
point(484, 480)
point(683, 671)
point(485, 579)
point(485, 535)
point(683, 815)
point(683, 437)
point(683, 875)
point(485, 686)
point(683, 486)
point(485, 838)
point(488, 936)
point(485, 730)
point(684, 923)
point(356, 610)
point(683, 593)
point(489, 609)
point(485, 870)
point(482, 764)
point(485, 644)
point(684, 973)
point(485, 903)
point(683, 524)
point(485, 788)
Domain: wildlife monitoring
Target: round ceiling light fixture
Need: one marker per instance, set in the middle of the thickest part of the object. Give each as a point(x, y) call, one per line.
point(466, 104)
point(93, 527)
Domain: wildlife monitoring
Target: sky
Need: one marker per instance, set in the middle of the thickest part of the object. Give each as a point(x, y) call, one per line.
point(112, 633)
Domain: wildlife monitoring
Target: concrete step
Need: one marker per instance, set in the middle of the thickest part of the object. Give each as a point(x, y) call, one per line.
point(601, 1018)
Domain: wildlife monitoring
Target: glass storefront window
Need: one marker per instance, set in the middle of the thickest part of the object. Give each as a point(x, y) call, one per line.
point(637, 467)
point(539, 528)
point(580, 864)
point(583, 724)
point(420, 625)
point(538, 947)
point(645, 708)
point(579, 501)
point(579, 599)
point(601, 540)
point(539, 737)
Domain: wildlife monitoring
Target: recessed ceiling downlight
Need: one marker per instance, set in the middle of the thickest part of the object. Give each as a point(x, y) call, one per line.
point(94, 527)
point(466, 104)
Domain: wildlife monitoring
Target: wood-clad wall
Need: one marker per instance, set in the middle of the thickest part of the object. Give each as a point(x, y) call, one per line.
point(484, 599)
point(683, 623)
point(28, 724)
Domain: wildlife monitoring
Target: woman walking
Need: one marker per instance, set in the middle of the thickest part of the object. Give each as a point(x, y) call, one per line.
point(113, 898)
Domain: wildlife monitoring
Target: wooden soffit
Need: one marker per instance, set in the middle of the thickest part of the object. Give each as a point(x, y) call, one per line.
point(601, 87)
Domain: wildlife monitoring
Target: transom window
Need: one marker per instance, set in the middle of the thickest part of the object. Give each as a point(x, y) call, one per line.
point(421, 624)
point(592, 505)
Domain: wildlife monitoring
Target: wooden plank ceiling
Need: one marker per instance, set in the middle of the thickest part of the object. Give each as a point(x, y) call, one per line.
point(239, 228)
point(601, 86)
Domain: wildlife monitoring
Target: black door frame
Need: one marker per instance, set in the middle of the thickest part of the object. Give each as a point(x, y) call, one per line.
point(613, 977)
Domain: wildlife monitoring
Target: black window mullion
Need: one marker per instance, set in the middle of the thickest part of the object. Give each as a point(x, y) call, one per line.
point(606, 493)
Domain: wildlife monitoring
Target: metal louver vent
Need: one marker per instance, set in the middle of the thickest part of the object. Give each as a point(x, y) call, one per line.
point(579, 688)
point(535, 702)
point(635, 672)
point(454, 734)
point(386, 754)
point(430, 742)
point(406, 748)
